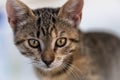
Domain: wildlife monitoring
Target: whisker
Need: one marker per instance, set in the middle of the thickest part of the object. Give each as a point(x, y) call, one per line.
point(33, 62)
point(75, 75)
point(73, 69)
point(68, 70)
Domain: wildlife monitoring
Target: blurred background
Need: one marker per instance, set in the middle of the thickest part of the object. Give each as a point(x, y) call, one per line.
point(98, 15)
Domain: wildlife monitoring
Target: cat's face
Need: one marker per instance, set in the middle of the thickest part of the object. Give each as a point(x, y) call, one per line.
point(51, 45)
point(48, 49)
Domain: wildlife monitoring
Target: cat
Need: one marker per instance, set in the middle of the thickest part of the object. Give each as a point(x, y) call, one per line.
point(58, 49)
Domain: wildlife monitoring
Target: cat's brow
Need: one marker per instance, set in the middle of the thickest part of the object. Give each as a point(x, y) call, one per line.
point(32, 34)
point(74, 40)
point(62, 32)
point(19, 42)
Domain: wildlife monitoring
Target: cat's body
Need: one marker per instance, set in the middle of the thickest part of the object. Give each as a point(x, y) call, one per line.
point(58, 49)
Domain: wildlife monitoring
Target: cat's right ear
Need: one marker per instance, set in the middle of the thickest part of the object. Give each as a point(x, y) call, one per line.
point(72, 11)
point(18, 13)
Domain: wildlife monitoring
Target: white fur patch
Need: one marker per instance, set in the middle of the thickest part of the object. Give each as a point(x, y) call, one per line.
point(22, 23)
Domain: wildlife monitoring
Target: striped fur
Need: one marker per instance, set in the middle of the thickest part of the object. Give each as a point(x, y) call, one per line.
point(57, 48)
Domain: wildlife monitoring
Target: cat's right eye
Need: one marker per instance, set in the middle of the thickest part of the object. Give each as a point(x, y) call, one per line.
point(34, 43)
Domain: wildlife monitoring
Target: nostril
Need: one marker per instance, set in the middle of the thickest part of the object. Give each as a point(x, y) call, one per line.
point(36, 59)
point(58, 58)
point(48, 62)
point(47, 58)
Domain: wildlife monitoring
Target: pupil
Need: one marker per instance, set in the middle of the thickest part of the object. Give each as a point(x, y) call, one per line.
point(60, 41)
point(34, 41)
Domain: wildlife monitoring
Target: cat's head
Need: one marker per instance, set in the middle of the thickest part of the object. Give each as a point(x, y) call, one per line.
point(50, 41)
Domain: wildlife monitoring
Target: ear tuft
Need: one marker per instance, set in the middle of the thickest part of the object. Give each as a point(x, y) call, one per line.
point(17, 12)
point(72, 11)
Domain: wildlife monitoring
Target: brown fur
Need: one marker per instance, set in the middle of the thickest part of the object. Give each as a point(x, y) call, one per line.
point(76, 55)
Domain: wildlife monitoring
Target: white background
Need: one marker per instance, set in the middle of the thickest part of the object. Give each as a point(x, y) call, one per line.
point(98, 15)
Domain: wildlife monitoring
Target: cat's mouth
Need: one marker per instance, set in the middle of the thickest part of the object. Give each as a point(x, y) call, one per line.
point(53, 66)
point(41, 65)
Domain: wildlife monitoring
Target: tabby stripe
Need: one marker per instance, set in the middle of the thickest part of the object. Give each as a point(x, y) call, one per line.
point(19, 42)
point(38, 34)
point(74, 40)
point(43, 31)
point(27, 53)
point(55, 49)
point(23, 53)
point(38, 22)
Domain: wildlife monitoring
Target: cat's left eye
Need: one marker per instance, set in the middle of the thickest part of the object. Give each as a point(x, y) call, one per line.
point(61, 42)
point(34, 43)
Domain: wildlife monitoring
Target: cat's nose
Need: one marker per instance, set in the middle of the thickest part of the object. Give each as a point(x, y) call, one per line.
point(48, 62)
point(47, 58)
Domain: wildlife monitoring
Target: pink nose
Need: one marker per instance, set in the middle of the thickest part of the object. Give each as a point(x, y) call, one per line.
point(48, 62)
point(47, 58)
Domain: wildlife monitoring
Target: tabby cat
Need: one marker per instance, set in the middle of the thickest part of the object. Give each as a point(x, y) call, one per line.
point(57, 48)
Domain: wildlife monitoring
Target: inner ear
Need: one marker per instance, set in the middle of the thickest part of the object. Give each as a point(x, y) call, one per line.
point(72, 11)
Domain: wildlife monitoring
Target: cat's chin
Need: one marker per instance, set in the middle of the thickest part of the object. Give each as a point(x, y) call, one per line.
point(46, 68)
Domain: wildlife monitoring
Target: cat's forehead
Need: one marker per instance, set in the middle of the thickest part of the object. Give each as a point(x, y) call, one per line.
point(45, 19)
point(45, 16)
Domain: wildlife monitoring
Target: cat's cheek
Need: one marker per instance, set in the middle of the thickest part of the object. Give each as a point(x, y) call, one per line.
point(40, 65)
point(56, 63)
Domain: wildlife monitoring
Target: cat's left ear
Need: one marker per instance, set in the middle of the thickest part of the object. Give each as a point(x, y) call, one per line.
point(18, 13)
point(72, 11)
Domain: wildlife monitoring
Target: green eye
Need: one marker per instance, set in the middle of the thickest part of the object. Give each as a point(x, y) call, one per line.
point(61, 42)
point(33, 43)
